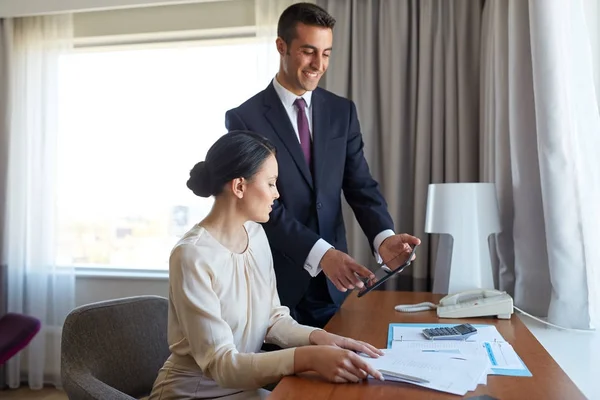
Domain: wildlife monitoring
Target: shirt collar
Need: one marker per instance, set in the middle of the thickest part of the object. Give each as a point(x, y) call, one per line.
point(288, 98)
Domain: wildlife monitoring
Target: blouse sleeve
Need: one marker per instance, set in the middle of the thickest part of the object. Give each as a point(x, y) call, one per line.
point(210, 337)
point(283, 330)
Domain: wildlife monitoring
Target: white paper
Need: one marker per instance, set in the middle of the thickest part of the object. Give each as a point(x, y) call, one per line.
point(448, 346)
point(486, 334)
point(444, 372)
point(498, 354)
point(503, 356)
point(484, 375)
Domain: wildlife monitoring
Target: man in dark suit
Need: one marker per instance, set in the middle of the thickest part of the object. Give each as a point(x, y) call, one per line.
point(320, 154)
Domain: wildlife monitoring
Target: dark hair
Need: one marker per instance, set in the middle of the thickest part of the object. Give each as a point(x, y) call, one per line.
point(237, 154)
point(305, 13)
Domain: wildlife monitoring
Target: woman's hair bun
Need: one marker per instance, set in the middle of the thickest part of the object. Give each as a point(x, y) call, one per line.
point(200, 181)
point(237, 154)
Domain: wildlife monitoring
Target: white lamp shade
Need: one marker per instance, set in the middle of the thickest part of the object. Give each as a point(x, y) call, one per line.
point(469, 213)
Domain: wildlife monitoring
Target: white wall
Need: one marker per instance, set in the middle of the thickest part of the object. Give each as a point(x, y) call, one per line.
point(18, 8)
point(183, 17)
point(93, 289)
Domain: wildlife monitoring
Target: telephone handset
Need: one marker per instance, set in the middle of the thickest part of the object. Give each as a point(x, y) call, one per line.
point(476, 303)
point(471, 303)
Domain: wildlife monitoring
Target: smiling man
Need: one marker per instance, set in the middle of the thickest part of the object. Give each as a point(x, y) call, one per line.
point(320, 154)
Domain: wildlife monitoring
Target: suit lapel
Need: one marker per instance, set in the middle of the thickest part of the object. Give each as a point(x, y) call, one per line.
point(279, 120)
point(320, 117)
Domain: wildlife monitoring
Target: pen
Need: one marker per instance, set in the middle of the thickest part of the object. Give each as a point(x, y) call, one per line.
point(404, 377)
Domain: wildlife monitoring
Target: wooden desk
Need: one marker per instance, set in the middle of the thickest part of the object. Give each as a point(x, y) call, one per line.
point(368, 318)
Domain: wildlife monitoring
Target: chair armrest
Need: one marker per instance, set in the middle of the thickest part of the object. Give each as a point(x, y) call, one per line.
point(84, 386)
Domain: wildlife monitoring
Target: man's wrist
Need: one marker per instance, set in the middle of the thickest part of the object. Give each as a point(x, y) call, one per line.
point(313, 262)
point(378, 241)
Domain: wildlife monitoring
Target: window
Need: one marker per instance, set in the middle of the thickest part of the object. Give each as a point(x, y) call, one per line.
point(133, 123)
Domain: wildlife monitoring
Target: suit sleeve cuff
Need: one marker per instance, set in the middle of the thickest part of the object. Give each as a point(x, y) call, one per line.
point(313, 261)
point(377, 242)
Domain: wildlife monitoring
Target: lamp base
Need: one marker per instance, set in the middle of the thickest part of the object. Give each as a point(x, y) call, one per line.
point(462, 266)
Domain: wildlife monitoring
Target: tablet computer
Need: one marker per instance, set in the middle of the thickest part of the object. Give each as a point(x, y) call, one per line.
point(384, 273)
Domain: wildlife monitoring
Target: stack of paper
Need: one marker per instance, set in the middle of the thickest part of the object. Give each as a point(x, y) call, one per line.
point(452, 366)
point(439, 371)
point(487, 344)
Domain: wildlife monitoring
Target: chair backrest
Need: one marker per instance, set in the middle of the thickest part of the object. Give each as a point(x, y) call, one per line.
point(122, 343)
point(16, 331)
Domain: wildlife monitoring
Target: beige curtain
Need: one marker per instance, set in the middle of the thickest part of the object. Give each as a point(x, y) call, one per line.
point(412, 68)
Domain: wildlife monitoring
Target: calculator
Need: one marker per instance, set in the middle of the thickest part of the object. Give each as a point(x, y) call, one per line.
point(458, 332)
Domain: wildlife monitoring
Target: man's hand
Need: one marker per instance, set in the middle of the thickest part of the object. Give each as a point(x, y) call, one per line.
point(342, 270)
point(395, 249)
point(321, 337)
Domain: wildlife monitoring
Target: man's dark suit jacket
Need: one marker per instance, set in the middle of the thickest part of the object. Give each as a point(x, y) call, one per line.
point(310, 204)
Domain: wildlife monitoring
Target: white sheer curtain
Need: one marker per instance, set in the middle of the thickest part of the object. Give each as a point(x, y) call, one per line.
point(36, 286)
point(266, 15)
point(5, 50)
point(541, 129)
point(592, 14)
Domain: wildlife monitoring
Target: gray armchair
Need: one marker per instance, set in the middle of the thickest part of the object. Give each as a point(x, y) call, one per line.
point(114, 349)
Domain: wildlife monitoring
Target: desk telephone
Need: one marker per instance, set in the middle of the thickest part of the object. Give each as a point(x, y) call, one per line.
point(471, 303)
point(476, 303)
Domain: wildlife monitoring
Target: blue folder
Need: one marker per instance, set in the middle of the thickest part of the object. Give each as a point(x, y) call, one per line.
point(495, 371)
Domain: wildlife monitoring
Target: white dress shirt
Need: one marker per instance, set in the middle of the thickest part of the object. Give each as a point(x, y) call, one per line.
point(313, 261)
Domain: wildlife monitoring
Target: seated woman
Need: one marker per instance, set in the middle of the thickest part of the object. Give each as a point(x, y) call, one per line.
point(223, 301)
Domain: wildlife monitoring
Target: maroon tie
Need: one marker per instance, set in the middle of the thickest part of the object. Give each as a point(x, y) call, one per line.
point(303, 130)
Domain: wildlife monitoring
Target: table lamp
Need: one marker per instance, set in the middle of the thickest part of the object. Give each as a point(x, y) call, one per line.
point(468, 212)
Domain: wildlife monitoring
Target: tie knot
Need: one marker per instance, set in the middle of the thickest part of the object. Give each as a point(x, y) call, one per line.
point(300, 103)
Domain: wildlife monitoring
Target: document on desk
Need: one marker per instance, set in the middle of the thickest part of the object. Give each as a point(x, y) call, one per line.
point(498, 355)
point(447, 346)
point(438, 371)
point(502, 356)
point(414, 332)
point(488, 344)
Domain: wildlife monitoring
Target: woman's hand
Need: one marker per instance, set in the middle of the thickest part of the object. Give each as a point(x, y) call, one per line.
point(321, 337)
point(333, 363)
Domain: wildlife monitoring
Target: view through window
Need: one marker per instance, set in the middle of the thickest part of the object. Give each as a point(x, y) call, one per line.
point(132, 123)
